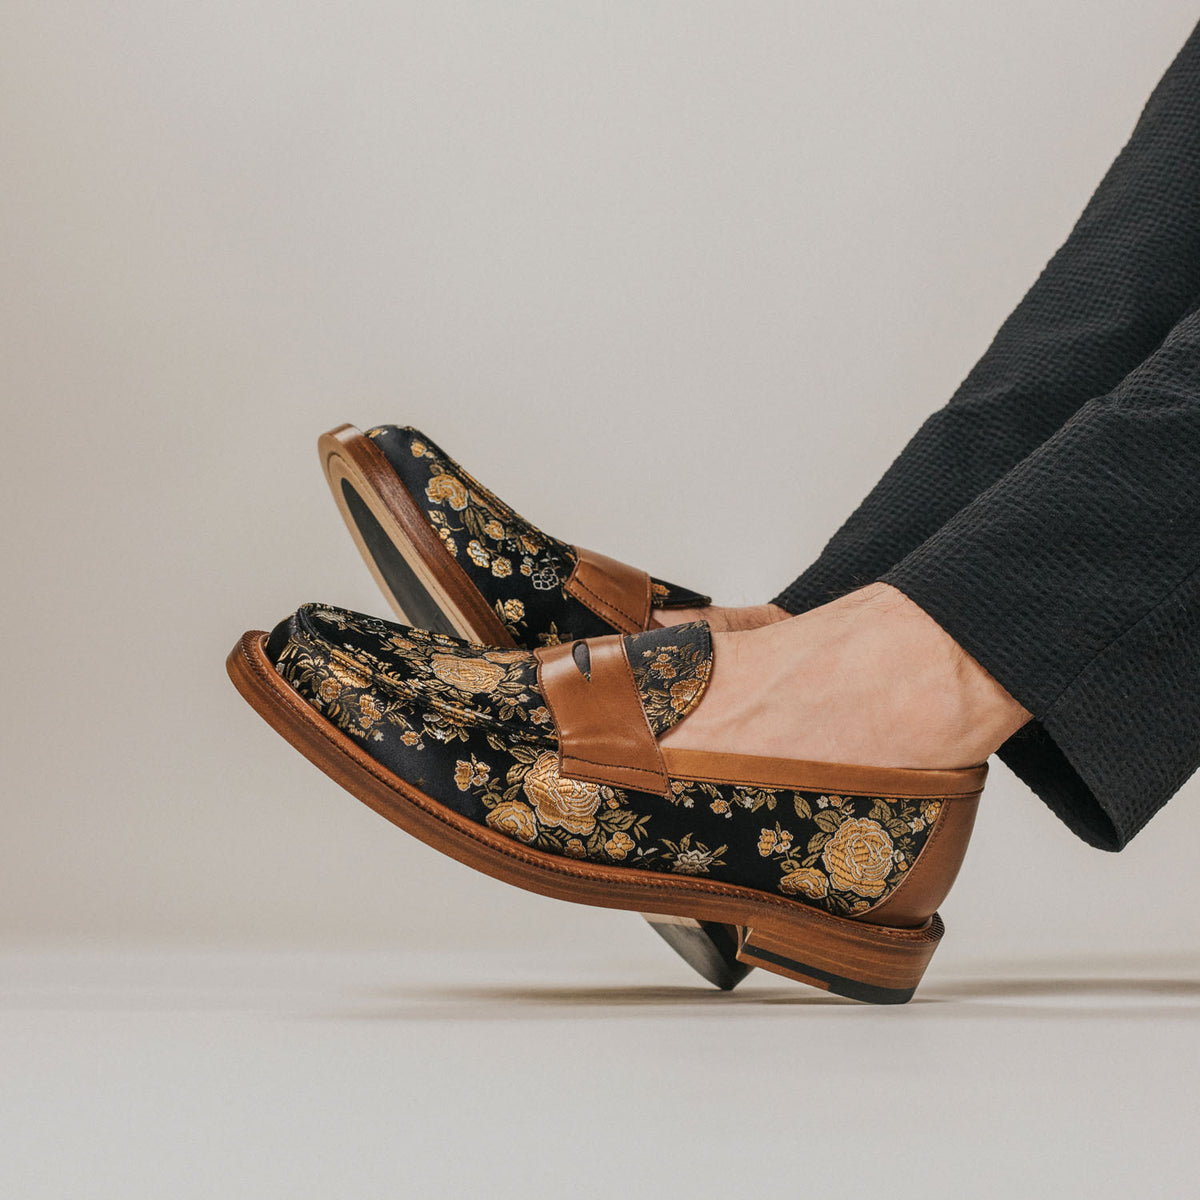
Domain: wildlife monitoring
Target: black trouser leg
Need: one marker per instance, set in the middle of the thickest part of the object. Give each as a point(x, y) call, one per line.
point(1075, 580)
point(1057, 536)
point(1126, 274)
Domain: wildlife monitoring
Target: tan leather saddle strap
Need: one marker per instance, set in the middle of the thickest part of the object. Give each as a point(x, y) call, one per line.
point(612, 590)
point(603, 734)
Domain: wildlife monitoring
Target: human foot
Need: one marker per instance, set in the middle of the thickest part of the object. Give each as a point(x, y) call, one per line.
point(869, 678)
point(721, 619)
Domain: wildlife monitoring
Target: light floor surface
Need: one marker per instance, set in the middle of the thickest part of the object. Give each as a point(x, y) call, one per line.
point(173, 1073)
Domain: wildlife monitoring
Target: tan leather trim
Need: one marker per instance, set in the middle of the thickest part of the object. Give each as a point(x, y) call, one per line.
point(619, 593)
point(841, 778)
point(603, 734)
point(931, 877)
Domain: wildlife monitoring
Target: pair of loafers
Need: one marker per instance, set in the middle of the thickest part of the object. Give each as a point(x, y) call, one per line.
point(512, 722)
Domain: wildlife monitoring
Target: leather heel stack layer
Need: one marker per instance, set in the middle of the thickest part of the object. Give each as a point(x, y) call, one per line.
point(544, 770)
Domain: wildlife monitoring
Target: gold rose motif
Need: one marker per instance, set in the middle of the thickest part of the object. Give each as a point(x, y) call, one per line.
point(568, 803)
point(329, 689)
point(417, 448)
point(446, 488)
point(478, 555)
point(368, 710)
point(859, 857)
point(466, 674)
point(766, 842)
point(494, 530)
point(807, 881)
point(513, 819)
point(501, 567)
point(513, 610)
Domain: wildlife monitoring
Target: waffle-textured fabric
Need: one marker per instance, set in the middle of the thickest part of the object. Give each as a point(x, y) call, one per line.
point(1048, 517)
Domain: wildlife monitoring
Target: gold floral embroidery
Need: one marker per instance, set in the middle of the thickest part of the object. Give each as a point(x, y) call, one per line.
point(671, 669)
point(684, 858)
point(470, 774)
point(618, 845)
point(475, 720)
point(774, 841)
point(466, 674)
point(505, 556)
point(513, 819)
point(859, 857)
point(567, 803)
point(805, 881)
point(447, 488)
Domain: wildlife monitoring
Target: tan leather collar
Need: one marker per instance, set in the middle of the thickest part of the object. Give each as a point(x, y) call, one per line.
point(603, 734)
point(619, 593)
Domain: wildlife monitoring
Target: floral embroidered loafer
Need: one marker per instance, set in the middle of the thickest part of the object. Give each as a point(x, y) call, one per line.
point(453, 558)
point(543, 769)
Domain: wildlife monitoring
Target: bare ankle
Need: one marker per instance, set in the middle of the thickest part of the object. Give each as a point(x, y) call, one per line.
point(869, 678)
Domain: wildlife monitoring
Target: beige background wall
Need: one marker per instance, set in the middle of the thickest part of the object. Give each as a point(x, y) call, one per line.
point(677, 279)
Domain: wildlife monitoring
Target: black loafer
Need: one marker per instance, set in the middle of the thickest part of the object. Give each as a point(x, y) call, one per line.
point(543, 768)
point(451, 557)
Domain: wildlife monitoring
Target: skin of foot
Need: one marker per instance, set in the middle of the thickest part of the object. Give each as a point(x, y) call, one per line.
point(723, 620)
point(869, 678)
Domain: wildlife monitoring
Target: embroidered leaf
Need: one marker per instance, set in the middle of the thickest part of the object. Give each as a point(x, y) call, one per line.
point(828, 820)
point(802, 807)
